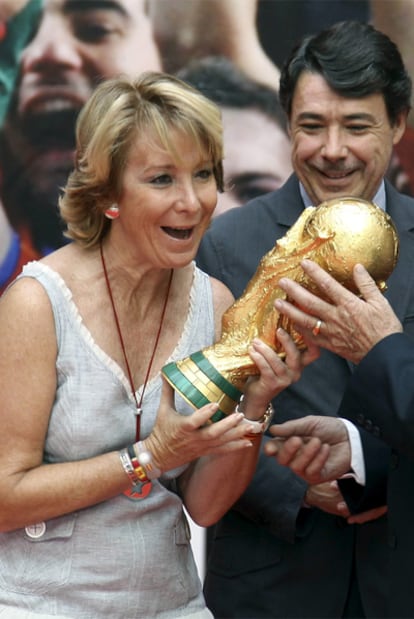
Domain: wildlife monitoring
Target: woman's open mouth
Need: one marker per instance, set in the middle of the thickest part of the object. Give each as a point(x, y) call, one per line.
point(178, 233)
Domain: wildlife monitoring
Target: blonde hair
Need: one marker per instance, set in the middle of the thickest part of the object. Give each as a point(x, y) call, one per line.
point(117, 113)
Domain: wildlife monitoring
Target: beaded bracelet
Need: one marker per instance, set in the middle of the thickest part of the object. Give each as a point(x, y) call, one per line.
point(139, 470)
point(129, 468)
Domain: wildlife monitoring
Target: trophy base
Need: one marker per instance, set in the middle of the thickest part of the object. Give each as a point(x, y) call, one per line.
point(199, 383)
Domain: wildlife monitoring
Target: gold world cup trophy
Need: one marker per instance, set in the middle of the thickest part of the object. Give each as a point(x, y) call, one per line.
point(337, 234)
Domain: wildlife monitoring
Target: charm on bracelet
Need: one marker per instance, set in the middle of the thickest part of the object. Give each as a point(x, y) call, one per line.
point(140, 484)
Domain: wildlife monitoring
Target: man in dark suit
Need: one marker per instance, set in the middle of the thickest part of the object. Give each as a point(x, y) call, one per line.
point(286, 548)
point(379, 397)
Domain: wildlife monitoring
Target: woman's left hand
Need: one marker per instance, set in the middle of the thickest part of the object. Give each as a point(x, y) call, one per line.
point(178, 439)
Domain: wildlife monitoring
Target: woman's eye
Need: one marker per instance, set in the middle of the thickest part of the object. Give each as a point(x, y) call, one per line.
point(163, 179)
point(205, 173)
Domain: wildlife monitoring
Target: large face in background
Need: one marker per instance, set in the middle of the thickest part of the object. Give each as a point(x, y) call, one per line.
point(256, 156)
point(78, 44)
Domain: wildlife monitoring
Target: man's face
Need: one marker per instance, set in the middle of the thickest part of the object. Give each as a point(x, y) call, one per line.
point(78, 44)
point(340, 146)
point(256, 157)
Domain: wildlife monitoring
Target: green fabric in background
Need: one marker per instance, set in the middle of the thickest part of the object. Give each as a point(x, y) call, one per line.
point(20, 29)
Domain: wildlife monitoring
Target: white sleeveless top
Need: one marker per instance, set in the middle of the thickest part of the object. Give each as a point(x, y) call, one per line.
point(122, 559)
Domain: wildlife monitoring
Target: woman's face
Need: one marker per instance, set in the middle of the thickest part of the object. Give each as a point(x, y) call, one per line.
point(165, 204)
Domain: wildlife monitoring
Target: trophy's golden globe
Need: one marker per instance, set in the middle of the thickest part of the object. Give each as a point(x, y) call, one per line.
point(337, 234)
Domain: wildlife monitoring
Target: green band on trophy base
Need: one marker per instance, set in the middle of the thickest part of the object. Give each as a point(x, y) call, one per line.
point(202, 385)
point(209, 370)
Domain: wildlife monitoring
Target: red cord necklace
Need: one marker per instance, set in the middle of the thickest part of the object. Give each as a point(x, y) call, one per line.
point(131, 493)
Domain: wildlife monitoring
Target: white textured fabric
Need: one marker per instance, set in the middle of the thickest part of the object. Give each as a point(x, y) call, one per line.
point(122, 559)
point(17, 613)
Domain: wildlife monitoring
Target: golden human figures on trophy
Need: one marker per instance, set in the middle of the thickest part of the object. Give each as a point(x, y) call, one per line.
point(337, 234)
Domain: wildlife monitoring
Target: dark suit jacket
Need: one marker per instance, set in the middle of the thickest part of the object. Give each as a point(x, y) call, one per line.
point(271, 557)
point(380, 396)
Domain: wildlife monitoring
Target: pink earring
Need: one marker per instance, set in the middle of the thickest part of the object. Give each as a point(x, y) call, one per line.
point(112, 212)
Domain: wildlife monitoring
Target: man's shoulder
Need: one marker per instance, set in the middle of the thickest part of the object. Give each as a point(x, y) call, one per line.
point(396, 198)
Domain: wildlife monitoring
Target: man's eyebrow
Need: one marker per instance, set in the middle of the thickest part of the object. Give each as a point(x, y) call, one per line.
point(306, 116)
point(94, 5)
point(349, 117)
point(309, 116)
point(360, 116)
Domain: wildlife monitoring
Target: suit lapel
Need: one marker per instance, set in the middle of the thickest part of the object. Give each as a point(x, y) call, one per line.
point(290, 204)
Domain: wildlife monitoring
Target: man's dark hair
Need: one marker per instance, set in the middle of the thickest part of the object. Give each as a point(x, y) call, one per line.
point(222, 82)
point(355, 60)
